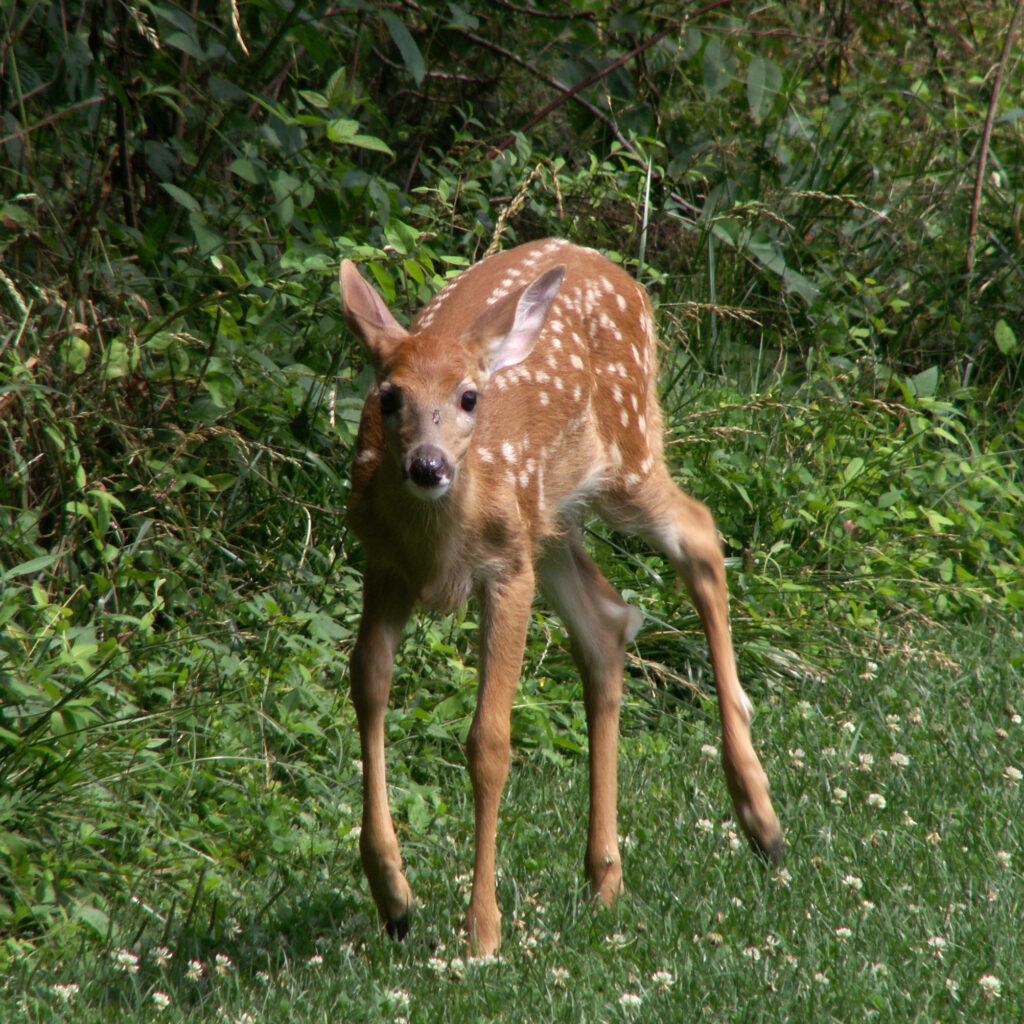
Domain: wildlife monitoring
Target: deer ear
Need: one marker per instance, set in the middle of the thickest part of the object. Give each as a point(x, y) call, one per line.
point(369, 317)
point(507, 332)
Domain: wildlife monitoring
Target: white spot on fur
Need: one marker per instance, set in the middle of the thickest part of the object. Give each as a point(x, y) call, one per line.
point(508, 451)
point(576, 361)
point(624, 418)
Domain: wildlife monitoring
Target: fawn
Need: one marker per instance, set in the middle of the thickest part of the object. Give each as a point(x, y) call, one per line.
point(523, 393)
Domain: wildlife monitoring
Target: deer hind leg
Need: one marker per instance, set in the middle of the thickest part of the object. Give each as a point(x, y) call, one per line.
point(386, 609)
point(684, 530)
point(600, 624)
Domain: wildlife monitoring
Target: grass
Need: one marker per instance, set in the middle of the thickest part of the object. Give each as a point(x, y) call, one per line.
point(898, 782)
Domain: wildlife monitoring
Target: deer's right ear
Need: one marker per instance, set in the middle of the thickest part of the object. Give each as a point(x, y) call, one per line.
point(369, 317)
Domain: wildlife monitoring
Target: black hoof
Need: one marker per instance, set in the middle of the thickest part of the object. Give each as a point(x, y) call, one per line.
point(398, 928)
point(772, 854)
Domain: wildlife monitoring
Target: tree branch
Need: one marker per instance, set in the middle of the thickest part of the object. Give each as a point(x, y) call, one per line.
point(986, 138)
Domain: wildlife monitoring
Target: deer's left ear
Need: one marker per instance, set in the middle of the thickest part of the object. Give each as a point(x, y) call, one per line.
point(505, 333)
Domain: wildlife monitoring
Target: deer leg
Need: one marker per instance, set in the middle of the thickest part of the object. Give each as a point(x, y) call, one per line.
point(504, 621)
point(386, 608)
point(683, 528)
point(600, 624)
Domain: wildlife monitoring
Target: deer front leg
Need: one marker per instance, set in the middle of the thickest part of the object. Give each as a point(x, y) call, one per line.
point(386, 608)
point(503, 625)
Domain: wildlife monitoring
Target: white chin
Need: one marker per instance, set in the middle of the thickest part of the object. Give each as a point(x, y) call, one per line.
point(428, 493)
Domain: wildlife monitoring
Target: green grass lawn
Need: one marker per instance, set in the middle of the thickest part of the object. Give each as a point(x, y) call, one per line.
point(898, 780)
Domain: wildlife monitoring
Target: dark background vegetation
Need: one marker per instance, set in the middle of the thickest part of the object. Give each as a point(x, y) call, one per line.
point(824, 198)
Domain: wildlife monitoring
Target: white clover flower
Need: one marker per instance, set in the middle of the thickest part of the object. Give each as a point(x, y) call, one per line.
point(1003, 858)
point(898, 760)
point(1014, 775)
point(938, 944)
point(65, 993)
point(782, 878)
point(560, 976)
point(161, 956)
point(843, 932)
point(161, 1000)
point(398, 997)
point(752, 953)
point(195, 970)
point(953, 986)
point(876, 800)
point(866, 762)
point(124, 960)
point(821, 978)
point(616, 940)
point(709, 751)
point(630, 1001)
point(839, 795)
point(704, 825)
point(316, 960)
point(853, 882)
point(796, 757)
point(991, 987)
point(663, 980)
point(222, 964)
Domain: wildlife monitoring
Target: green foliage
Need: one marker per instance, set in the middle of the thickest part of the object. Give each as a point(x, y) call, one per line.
point(178, 398)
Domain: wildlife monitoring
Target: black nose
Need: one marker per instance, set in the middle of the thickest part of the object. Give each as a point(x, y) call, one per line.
point(429, 468)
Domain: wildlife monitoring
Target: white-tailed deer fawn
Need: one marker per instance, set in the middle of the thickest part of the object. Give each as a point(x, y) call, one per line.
point(523, 393)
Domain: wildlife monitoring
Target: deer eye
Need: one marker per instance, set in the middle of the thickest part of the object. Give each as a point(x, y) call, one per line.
point(390, 401)
point(468, 401)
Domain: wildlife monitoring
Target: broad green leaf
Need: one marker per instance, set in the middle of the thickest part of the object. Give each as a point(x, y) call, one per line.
point(406, 46)
point(716, 74)
point(853, 469)
point(181, 196)
point(30, 567)
point(924, 384)
point(764, 80)
point(1005, 338)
